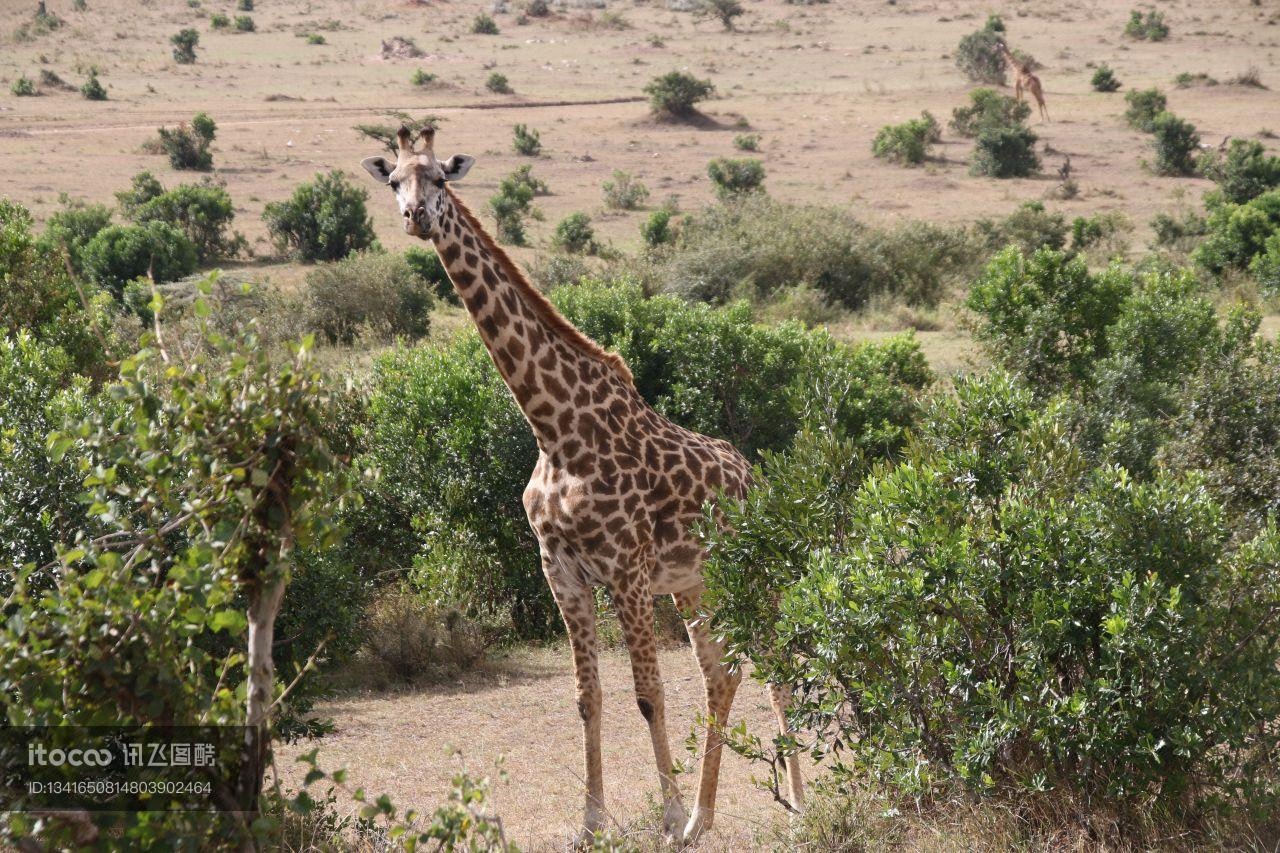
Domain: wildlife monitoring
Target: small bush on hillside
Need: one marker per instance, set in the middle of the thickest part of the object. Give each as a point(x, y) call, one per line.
point(244, 5)
point(575, 235)
point(187, 146)
point(1104, 80)
point(1238, 233)
point(325, 220)
point(219, 21)
point(537, 9)
point(368, 293)
point(1029, 228)
point(511, 204)
point(498, 84)
point(244, 24)
point(906, 143)
point(1103, 235)
point(417, 78)
point(1265, 266)
point(988, 109)
point(142, 189)
point(676, 93)
point(1176, 144)
point(1186, 80)
point(1005, 152)
point(656, 230)
point(1244, 172)
point(526, 141)
point(120, 253)
point(723, 11)
point(204, 213)
point(747, 142)
point(184, 46)
point(426, 265)
point(317, 39)
point(92, 89)
point(23, 87)
point(624, 192)
point(71, 229)
point(733, 177)
point(484, 25)
point(1144, 106)
point(979, 57)
point(1181, 232)
point(1148, 27)
point(408, 640)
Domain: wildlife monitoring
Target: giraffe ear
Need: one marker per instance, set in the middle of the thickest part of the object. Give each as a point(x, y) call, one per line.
point(379, 168)
point(457, 166)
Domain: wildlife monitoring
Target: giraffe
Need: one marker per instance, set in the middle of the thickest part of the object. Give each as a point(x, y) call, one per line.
point(1023, 78)
point(615, 490)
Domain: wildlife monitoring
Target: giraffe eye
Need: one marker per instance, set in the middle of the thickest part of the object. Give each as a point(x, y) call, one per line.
point(395, 185)
point(440, 183)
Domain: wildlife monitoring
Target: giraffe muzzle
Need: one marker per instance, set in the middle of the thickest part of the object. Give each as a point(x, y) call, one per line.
point(415, 221)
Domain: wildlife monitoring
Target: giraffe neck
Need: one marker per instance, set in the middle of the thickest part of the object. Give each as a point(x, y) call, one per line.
point(551, 368)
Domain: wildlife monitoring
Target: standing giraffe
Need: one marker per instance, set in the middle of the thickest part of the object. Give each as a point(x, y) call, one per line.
point(1024, 79)
point(615, 490)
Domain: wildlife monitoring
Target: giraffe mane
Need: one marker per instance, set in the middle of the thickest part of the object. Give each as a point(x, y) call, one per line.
point(541, 305)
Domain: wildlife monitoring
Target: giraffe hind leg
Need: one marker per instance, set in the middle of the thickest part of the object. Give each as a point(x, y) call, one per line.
point(780, 698)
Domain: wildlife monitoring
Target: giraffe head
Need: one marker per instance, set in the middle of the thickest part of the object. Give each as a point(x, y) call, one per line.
point(417, 178)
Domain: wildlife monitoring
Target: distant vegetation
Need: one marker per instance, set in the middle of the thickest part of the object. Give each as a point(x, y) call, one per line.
point(184, 45)
point(978, 56)
point(677, 93)
point(732, 177)
point(1104, 80)
point(907, 143)
point(325, 220)
point(526, 141)
point(1148, 27)
point(483, 24)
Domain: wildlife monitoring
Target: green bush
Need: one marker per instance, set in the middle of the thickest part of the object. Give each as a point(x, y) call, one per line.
point(498, 84)
point(244, 5)
point(677, 93)
point(988, 109)
point(426, 265)
point(971, 620)
point(120, 253)
point(1238, 233)
point(219, 21)
point(1005, 152)
point(184, 44)
point(203, 211)
point(1265, 266)
point(484, 25)
point(1176, 144)
point(23, 87)
point(747, 142)
point(93, 90)
point(370, 293)
point(244, 24)
point(723, 11)
point(419, 77)
point(1104, 79)
point(1245, 172)
point(526, 141)
point(905, 143)
point(1148, 27)
point(733, 177)
point(656, 230)
point(324, 220)
point(71, 229)
point(575, 235)
point(624, 192)
point(513, 202)
point(1030, 227)
point(187, 146)
point(978, 55)
point(317, 38)
point(1181, 232)
point(1144, 106)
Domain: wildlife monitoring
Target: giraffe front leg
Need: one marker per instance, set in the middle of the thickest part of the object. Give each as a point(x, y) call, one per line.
point(780, 698)
point(578, 609)
point(633, 602)
point(720, 681)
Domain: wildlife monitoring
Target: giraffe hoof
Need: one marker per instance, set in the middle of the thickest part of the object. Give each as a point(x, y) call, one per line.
point(699, 823)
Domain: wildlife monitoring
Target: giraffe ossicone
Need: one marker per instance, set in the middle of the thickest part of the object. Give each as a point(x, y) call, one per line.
point(616, 490)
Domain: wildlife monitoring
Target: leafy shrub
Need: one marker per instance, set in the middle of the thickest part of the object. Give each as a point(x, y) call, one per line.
point(498, 84)
point(1029, 228)
point(120, 253)
point(1148, 27)
point(904, 143)
point(184, 45)
point(419, 77)
point(1186, 80)
point(1176, 143)
point(317, 39)
point(1103, 234)
point(656, 230)
point(1245, 172)
point(324, 220)
point(23, 87)
point(733, 177)
point(723, 11)
point(1265, 266)
point(1104, 79)
point(917, 607)
point(978, 55)
point(244, 24)
point(574, 234)
point(1144, 106)
point(1238, 233)
point(1005, 152)
point(1180, 233)
point(203, 211)
point(368, 292)
point(747, 142)
point(219, 21)
point(537, 9)
point(484, 25)
point(526, 141)
point(71, 229)
point(426, 265)
point(988, 109)
point(624, 192)
point(408, 640)
point(676, 93)
point(92, 89)
point(187, 146)
point(512, 203)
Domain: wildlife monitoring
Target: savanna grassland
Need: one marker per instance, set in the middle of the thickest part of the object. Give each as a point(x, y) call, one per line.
point(1102, 486)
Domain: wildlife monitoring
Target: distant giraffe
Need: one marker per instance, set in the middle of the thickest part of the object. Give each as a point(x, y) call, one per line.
point(1024, 79)
point(615, 493)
